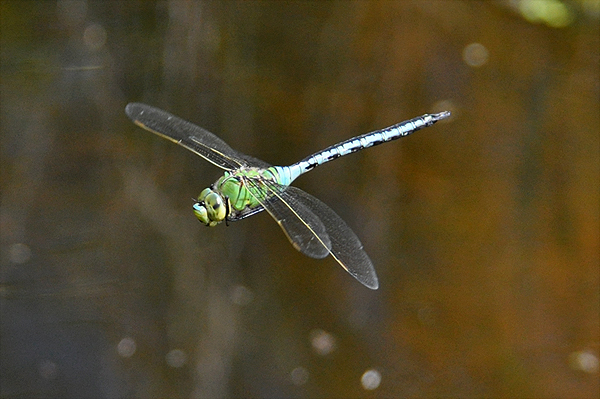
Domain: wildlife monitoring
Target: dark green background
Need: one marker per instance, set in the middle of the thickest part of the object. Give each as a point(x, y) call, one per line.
point(484, 230)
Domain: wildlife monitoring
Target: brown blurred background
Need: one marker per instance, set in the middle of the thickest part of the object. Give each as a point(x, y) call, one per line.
point(484, 229)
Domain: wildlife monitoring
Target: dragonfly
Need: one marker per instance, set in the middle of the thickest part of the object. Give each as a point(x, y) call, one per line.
point(250, 186)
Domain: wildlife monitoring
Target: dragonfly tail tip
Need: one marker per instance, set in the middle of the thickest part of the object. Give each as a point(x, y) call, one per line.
point(442, 115)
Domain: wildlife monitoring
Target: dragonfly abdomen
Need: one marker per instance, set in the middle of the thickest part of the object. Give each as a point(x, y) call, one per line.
point(365, 141)
point(285, 175)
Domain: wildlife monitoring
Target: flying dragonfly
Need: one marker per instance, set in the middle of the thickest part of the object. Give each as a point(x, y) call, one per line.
point(250, 186)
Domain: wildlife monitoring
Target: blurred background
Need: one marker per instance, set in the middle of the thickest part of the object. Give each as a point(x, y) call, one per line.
point(484, 229)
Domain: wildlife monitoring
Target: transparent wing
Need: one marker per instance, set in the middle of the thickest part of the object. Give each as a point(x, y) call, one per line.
point(346, 248)
point(194, 138)
point(316, 230)
point(303, 228)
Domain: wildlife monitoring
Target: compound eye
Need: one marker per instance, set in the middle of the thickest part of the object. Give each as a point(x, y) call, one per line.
point(203, 194)
point(201, 213)
point(215, 207)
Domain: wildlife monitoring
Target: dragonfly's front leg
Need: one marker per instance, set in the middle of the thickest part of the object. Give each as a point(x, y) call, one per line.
point(243, 214)
point(227, 210)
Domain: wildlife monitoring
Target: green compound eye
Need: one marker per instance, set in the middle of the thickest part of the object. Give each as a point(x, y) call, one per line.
point(201, 214)
point(210, 208)
point(215, 207)
point(203, 194)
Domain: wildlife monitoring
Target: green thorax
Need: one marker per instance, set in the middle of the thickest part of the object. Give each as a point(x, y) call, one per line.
point(242, 187)
point(235, 191)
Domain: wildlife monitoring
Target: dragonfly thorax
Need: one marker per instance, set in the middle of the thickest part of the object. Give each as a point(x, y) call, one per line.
point(233, 192)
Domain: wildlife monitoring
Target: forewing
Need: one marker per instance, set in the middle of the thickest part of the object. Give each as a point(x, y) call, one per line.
point(346, 248)
point(194, 138)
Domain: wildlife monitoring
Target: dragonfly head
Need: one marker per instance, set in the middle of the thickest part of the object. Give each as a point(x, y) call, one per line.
point(210, 208)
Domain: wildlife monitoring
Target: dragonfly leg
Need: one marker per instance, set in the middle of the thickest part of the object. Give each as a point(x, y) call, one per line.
point(227, 211)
